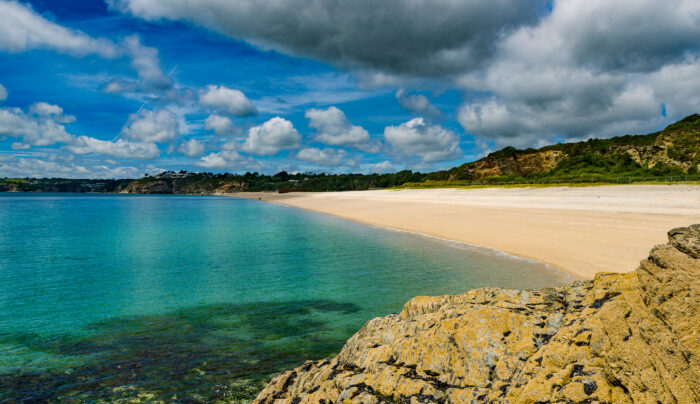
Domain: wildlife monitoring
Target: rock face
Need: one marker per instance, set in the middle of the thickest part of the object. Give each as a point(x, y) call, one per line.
point(678, 145)
point(153, 187)
point(620, 338)
point(521, 165)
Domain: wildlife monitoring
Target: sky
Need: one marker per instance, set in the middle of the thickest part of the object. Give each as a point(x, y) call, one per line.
point(121, 88)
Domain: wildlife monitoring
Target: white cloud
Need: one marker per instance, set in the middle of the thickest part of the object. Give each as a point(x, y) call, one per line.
point(21, 29)
point(42, 126)
point(221, 125)
point(418, 104)
point(228, 159)
point(324, 157)
point(335, 129)
point(11, 166)
point(271, 137)
point(382, 167)
point(118, 86)
point(35, 130)
point(226, 99)
point(50, 111)
point(3, 93)
point(589, 69)
point(121, 148)
point(191, 148)
point(677, 86)
point(430, 143)
point(20, 146)
point(145, 61)
point(152, 126)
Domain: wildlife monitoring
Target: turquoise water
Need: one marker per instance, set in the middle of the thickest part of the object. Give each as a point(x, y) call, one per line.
point(197, 299)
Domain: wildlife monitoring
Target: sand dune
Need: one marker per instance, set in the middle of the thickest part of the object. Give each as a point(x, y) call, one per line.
point(580, 230)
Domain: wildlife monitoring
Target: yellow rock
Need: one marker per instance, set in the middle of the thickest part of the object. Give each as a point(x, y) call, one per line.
point(620, 338)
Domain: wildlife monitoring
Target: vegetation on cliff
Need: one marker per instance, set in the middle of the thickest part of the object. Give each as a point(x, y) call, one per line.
point(60, 185)
point(674, 151)
point(620, 338)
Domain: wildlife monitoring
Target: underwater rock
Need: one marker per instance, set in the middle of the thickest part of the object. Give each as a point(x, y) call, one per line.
point(620, 338)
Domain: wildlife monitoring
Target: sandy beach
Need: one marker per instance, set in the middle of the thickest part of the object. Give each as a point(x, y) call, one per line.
point(580, 230)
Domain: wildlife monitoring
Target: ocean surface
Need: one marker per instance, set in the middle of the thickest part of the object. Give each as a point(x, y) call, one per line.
point(199, 299)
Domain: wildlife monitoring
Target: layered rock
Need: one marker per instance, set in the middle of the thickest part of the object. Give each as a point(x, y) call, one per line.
point(155, 185)
point(620, 338)
point(678, 145)
point(148, 187)
point(540, 161)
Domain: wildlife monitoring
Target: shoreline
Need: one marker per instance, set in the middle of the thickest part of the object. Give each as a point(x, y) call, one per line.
point(558, 226)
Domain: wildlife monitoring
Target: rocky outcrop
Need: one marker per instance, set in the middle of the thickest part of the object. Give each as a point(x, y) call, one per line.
point(677, 146)
point(519, 164)
point(154, 185)
point(148, 187)
point(674, 148)
point(620, 338)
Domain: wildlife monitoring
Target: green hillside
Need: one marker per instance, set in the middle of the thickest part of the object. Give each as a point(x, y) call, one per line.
point(674, 151)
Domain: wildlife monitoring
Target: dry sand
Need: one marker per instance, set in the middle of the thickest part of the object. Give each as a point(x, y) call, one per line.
point(581, 230)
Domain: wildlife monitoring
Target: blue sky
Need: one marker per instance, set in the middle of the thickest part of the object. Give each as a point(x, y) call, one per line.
point(124, 87)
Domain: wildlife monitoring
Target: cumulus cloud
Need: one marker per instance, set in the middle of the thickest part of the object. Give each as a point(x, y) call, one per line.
point(50, 111)
point(35, 130)
point(228, 159)
point(219, 124)
point(333, 128)
point(121, 148)
point(535, 71)
point(191, 148)
point(151, 82)
point(422, 37)
point(3, 93)
point(226, 99)
point(21, 29)
point(632, 35)
point(43, 126)
point(152, 126)
point(591, 68)
point(271, 137)
point(145, 61)
point(381, 167)
point(418, 104)
point(430, 143)
point(323, 157)
point(11, 166)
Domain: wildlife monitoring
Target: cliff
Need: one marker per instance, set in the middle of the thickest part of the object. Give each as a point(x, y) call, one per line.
point(674, 152)
point(190, 184)
point(620, 338)
point(676, 149)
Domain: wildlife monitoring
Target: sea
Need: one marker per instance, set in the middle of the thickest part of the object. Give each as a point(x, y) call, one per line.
point(128, 298)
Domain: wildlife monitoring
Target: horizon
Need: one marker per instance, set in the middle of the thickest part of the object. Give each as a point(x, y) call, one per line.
point(121, 88)
point(310, 172)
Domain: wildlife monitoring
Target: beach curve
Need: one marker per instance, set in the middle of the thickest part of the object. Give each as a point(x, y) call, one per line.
point(580, 230)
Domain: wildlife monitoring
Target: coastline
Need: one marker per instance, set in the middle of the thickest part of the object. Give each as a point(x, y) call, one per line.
point(581, 231)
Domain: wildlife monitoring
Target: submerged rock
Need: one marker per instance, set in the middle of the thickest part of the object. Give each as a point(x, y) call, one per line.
point(619, 338)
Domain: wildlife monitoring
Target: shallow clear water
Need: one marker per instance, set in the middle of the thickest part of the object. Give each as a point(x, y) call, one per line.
point(190, 298)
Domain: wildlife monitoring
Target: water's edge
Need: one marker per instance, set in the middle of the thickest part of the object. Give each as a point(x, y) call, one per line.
point(477, 247)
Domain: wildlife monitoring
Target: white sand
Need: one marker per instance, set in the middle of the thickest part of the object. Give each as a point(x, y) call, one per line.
point(582, 230)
